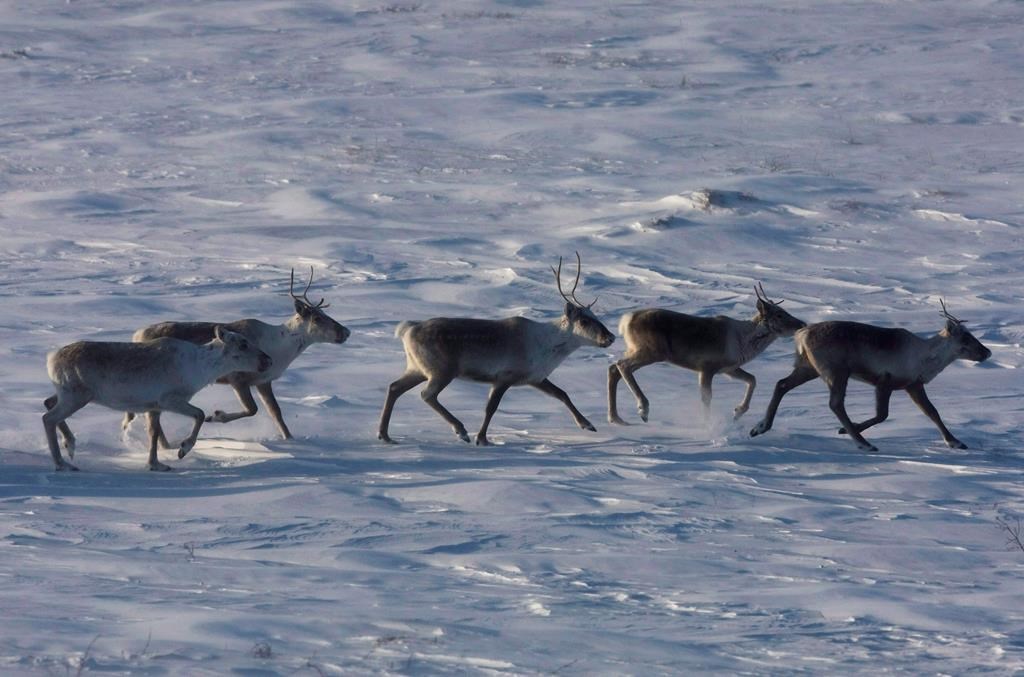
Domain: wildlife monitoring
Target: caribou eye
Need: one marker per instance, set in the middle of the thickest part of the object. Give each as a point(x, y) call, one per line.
point(244, 345)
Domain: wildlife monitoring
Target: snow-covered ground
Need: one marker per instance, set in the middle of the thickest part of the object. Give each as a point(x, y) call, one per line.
point(175, 159)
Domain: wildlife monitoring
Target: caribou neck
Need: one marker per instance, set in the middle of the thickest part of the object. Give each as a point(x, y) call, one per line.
point(939, 353)
point(210, 362)
point(753, 337)
point(560, 340)
point(292, 334)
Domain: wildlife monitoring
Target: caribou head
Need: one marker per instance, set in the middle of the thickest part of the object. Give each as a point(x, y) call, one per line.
point(579, 318)
point(969, 348)
point(777, 320)
point(315, 321)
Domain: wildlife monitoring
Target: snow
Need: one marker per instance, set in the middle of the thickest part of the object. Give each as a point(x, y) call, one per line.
point(175, 160)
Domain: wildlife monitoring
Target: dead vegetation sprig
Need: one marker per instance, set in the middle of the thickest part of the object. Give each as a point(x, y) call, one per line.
point(1013, 527)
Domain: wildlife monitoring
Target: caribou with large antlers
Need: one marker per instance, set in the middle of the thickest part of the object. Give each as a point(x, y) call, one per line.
point(889, 359)
point(285, 342)
point(511, 352)
point(151, 377)
point(707, 345)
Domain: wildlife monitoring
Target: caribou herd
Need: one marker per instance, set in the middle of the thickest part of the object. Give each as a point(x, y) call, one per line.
point(166, 364)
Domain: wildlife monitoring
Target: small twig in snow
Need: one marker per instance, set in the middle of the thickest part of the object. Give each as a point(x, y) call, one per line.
point(1014, 531)
point(85, 656)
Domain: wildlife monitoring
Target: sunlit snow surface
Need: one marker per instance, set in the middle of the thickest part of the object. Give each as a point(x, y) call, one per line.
point(174, 160)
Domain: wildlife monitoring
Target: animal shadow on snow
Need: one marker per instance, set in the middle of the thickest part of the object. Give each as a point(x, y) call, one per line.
point(112, 471)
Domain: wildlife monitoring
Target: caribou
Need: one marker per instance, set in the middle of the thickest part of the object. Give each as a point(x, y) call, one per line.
point(160, 375)
point(514, 351)
point(707, 345)
point(889, 359)
point(285, 342)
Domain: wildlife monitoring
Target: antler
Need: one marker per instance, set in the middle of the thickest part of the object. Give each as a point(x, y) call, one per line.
point(558, 281)
point(571, 298)
point(304, 298)
point(759, 290)
point(946, 312)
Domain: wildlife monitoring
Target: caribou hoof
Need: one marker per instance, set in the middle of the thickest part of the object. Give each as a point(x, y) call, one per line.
point(759, 429)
